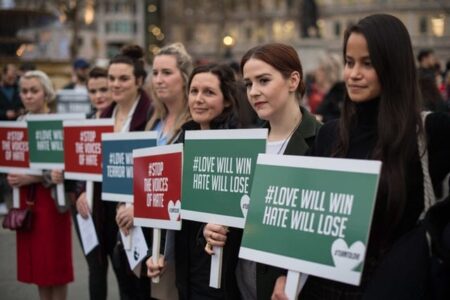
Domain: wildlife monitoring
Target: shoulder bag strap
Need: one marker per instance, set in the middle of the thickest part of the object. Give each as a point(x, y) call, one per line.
point(429, 197)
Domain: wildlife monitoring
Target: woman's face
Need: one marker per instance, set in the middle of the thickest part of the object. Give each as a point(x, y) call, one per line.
point(99, 93)
point(269, 93)
point(205, 99)
point(167, 80)
point(122, 83)
point(32, 95)
point(360, 76)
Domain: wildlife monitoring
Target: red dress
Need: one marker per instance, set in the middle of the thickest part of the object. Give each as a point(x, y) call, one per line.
point(44, 254)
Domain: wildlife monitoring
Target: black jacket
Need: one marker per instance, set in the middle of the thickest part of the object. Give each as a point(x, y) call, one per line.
point(192, 263)
point(302, 139)
point(14, 104)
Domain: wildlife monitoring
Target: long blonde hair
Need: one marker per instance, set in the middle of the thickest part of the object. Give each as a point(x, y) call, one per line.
point(184, 64)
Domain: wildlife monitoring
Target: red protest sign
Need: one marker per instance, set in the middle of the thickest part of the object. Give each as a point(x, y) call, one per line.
point(83, 148)
point(14, 146)
point(157, 186)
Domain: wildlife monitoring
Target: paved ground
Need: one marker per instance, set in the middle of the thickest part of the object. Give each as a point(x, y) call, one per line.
point(11, 289)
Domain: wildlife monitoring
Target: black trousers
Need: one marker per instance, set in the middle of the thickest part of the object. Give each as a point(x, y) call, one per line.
point(130, 286)
point(97, 259)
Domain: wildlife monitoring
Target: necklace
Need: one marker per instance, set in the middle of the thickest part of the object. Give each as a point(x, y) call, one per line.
point(289, 136)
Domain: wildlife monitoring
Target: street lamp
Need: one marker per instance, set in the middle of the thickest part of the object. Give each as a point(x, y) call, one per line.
point(228, 42)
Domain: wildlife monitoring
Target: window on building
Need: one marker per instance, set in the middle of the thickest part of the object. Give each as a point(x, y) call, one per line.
point(189, 33)
point(249, 33)
point(438, 25)
point(337, 28)
point(121, 27)
point(113, 49)
point(423, 25)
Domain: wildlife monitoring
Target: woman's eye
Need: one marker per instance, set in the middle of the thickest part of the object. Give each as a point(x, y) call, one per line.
point(264, 81)
point(368, 63)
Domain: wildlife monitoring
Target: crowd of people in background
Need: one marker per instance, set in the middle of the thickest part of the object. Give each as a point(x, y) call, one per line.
point(348, 107)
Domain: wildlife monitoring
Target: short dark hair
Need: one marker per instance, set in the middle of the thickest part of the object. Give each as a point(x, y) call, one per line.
point(6, 68)
point(98, 72)
point(423, 54)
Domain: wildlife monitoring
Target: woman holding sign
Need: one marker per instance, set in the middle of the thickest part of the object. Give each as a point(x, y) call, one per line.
point(170, 72)
point(273, 75)
point(212, 98)
point(44, 254)
point(381, 120)
point(130, 110)
point(103, 212)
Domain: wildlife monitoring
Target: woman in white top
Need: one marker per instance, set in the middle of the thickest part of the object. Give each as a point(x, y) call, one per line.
point(273, 76)
point(130, 110)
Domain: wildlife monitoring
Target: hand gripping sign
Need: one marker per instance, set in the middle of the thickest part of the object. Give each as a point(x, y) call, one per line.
point(217, 176)
point(322, 206)
point(157, 190)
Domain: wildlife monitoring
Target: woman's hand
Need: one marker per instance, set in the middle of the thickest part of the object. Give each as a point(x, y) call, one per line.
point(124, 218)
point(215, 235)
point(155, 270)
point(278, 290)
point(57, 176)
point(19, 180)
point(82, 206)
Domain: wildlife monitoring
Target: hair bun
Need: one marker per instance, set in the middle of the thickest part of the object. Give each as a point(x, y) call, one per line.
point(133, 51)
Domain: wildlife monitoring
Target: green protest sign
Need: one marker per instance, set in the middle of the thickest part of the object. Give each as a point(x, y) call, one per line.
point(45, 134)
point(311, 215)
point(218, 166)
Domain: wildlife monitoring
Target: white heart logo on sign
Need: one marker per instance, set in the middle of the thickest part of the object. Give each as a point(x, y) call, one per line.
point(174, 210)
point(245, 200)
point(345, 257)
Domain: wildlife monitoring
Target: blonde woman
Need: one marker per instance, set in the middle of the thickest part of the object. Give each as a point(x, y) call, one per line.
point(171, 68)
point(44, 254)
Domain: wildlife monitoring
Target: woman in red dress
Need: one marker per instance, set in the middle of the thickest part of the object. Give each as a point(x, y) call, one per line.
point(44, 254)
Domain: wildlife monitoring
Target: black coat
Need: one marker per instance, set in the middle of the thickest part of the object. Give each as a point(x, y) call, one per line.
point(14, 104)
point(302, 139)
point(192, 263)
point(362, 142)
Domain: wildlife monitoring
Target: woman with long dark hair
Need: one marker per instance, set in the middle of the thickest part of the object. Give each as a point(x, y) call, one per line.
point(381, 120)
